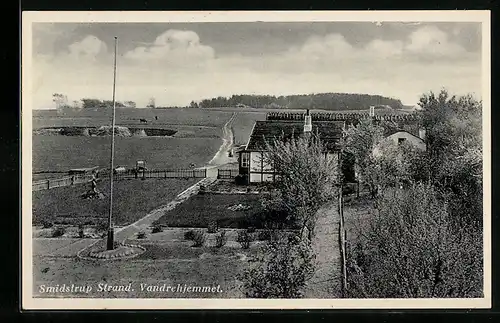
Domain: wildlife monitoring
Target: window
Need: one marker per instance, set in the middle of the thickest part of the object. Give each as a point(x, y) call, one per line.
point(245, 159)
point(401, 140)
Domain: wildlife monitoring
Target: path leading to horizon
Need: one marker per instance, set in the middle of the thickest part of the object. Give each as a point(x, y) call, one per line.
point(326, 282)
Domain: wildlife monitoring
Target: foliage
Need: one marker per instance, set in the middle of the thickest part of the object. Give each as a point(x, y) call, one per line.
point(282, 269)
point(189, 235)
point(221, 239)
point(58, 232)
point(326, 101)
point(199, 238)
point(454, 151)
point(157, 228)
point(244, 238)
point(307, 179)
point(213, 226)
point(141, 235)
point(412, 249)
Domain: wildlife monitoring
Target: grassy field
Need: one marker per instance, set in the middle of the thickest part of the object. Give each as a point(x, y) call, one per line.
point(197, 139)
point(133, 199)
point(199, 210)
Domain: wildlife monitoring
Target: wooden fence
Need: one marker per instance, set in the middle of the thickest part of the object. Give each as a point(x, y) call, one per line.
point(342, 244)
point(60, 182)
point(160, 173)
point(128, 174)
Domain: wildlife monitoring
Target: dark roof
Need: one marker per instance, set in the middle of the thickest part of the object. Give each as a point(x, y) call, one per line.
point(410, 128)
point(330, 132)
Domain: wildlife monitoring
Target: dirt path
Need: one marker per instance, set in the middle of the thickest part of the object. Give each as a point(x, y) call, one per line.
point(221, 157)
point(326, 280)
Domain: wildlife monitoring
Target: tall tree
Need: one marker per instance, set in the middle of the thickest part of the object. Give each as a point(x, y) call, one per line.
point(307, 178)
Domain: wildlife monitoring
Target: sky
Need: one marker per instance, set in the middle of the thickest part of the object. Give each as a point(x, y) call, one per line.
point(176, 63)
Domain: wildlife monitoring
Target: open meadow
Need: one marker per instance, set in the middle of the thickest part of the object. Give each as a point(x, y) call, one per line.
point(133, 199)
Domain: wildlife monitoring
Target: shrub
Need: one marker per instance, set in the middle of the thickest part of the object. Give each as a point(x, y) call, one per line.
point(411, 250)
point(213, 227)
point(141, 235)
point(199, 238)
point(251, 229)
point(58, 232)
point(264, 235)
point(81, 231)
point(221, 239)
point(244, 238)
point(281, 271)
point(157, 228)
point(189, 235)
point(47, 224)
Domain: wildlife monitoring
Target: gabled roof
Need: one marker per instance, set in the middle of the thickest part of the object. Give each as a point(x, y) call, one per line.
point(401, 130)
point(330, 132)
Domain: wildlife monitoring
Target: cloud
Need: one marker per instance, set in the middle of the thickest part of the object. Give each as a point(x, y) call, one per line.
point(177, 68)
point(89, 48)
point(173, 46)
point(430, 40)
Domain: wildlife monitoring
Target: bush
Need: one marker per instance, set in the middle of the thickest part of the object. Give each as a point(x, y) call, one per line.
point(81, 231)
point(264, 235)
point(213, 226)
point(47, 224)
point(221, 239)
point(412, 250)
point(244, 238)
point(141, 235)
point(58, 232)
point(157, 228)
point(199, 238)
point(189, 235)
point(251, 229)
point(281, 271)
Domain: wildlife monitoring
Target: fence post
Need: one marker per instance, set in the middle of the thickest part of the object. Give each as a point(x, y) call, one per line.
point(143, 174)
point(48, 184)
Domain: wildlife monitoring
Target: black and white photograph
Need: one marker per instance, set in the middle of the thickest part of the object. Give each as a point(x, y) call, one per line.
point(184, 160)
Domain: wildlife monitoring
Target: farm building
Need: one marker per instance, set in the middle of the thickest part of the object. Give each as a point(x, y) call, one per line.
point(251, 161)
point(416, 138)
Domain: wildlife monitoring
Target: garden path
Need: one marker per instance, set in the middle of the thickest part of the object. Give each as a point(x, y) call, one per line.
point(326, 281)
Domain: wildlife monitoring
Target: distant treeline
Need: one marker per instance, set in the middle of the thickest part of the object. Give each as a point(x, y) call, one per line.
point(326, 101)
point(105, 104)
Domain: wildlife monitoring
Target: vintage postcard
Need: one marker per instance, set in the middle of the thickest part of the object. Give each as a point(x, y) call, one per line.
point(256, 160)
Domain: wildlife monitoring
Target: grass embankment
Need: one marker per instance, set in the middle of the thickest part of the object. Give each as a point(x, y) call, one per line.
point(199, 210)
point(132, 199)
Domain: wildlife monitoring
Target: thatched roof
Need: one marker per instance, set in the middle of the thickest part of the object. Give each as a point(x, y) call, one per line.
point(330, 132)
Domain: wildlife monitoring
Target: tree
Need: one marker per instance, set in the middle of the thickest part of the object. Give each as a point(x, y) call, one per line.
point(306, 178)
point(454, 152)
point(91, 103)
point(360, 140)
point(130, 104)
point(410, 248)
point(60, 100)
point(281, 270)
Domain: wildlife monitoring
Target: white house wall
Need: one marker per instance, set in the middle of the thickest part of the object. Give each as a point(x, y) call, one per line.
point(393, 140)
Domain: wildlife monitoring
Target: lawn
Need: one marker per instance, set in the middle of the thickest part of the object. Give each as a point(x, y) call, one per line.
point(199, 210)
point(132, 200)
point(166, 261)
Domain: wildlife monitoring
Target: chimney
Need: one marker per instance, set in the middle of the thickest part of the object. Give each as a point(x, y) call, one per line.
point(421, 133)
point(307, 123)
point(372, 111)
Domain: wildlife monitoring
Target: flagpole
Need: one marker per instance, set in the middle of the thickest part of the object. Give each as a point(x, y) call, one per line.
point(110, 241)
